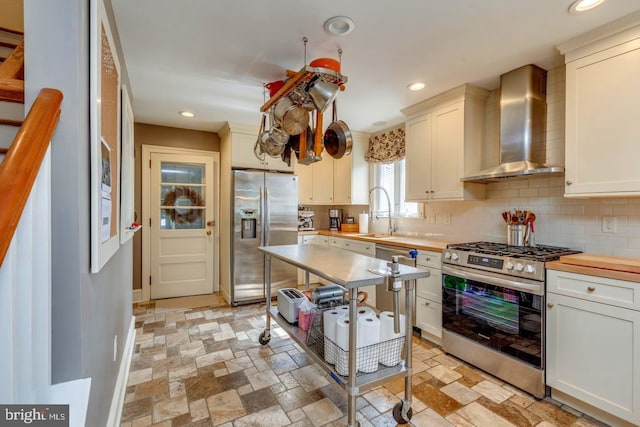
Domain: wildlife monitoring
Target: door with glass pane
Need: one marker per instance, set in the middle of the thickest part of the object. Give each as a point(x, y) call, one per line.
point(182, 225)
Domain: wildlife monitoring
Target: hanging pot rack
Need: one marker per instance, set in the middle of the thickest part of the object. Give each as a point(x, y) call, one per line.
point(299, 80)
point(298, 83)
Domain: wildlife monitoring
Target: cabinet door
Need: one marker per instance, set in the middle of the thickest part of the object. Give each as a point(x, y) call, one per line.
point(430, 287)
point(418, 158)
point(593, 354)
point(305, 184)
point(242, 152)
point(342, 180)
point(602, 126)
point(429, 318)
point(323, 181)
point(447, 144)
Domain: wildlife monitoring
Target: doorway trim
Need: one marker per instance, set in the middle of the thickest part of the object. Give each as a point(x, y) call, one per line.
point(147, 150)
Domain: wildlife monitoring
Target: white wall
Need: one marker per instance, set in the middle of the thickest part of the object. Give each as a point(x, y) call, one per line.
point(574, 223)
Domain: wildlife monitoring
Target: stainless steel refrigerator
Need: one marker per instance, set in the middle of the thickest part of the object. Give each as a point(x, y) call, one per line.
point(265, 213)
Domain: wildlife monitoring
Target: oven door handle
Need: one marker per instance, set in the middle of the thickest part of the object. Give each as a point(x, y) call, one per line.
point(491, 279)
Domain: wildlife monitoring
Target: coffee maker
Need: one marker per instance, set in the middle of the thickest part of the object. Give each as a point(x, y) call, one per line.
point(335, 219)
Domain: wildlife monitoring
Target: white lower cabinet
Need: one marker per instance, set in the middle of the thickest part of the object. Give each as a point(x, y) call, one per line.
point(593, 342)
point(364, 248)
point(429, 297)
point(312, 239)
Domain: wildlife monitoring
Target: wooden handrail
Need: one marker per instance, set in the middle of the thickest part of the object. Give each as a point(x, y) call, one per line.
point(20, 167)
point(13, 67)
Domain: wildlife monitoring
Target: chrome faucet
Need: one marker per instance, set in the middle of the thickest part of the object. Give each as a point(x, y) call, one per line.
point(390, 226)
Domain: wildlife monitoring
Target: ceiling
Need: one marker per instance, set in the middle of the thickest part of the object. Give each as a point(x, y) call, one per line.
point(212, 57)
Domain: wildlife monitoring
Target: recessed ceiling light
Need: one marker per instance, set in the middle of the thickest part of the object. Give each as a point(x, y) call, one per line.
point(339, 25)
point(379, 123)
point(416, 86)
point(584, 5)
point(187, 114)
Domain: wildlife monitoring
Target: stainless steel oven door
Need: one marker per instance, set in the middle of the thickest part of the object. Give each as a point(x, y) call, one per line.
point(495, 311)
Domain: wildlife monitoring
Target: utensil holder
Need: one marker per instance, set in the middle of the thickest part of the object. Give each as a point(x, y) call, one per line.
point(517, 234)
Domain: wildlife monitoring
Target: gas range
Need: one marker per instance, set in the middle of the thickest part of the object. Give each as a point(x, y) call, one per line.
point(520, 261)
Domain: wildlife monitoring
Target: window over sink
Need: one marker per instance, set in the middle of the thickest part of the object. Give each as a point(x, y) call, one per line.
point(391, 177)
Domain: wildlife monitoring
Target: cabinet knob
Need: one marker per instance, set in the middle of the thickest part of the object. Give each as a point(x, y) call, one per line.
point(569, 182)
point(591, 288)
point(550, 305)
point(427, 303)
point(208, 232)
point(432, 191)
point(428, 258)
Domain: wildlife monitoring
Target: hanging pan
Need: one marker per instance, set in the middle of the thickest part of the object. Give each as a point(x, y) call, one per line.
point(338, 140)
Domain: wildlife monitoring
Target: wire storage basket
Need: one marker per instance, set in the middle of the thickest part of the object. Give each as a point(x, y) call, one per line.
point(370, 359)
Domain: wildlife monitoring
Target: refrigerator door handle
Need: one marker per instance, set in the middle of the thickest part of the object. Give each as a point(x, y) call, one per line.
point(262, 238)
point(266, 217)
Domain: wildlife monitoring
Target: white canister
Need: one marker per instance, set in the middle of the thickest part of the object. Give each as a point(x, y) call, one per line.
point(363, 223)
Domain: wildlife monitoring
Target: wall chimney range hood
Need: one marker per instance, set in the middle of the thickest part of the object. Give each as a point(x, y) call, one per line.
point(523, 117)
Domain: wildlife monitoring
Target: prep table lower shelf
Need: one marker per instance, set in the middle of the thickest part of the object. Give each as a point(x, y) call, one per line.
point(364, 381)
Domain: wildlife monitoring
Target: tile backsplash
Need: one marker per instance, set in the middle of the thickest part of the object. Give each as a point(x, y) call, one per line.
point(560, 221)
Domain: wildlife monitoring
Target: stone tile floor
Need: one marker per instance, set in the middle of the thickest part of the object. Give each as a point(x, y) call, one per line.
point(204, 367)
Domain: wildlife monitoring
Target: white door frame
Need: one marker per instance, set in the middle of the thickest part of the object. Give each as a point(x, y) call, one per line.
point(147, 150)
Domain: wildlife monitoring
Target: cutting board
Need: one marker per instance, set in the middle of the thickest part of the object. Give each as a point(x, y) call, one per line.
point(629, 265)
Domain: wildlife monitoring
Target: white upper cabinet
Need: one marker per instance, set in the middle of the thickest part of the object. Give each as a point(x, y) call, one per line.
point(444, 139)
point(237, 141)
point(602, 121)
point(330, 181)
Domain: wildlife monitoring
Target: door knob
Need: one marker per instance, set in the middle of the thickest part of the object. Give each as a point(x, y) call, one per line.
point(211, 223)
point(208, 232)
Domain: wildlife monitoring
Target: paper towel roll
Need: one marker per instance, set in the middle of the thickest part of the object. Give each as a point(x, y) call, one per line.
point(344, 309)
point(329, 320)
point(365, 312)
point(386, 326)
point(368, 340)
point(390, 345)
point(363, 223)
point(342, 340)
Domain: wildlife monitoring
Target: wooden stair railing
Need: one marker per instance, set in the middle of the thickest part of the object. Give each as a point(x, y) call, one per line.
point(13, 66)
point(20, 167)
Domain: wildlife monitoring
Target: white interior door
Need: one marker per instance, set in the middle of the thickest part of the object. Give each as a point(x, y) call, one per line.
point(182, 229)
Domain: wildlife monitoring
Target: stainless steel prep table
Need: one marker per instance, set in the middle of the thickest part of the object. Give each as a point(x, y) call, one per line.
point(352, 271)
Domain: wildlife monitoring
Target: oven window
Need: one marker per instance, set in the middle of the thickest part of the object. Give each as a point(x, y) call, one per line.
point(505, 319)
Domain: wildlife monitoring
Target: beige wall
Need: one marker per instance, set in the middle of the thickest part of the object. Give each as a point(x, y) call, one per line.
point(167, 137)
point(12, 14)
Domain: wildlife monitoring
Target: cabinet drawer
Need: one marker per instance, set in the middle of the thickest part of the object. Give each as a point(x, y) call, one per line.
point(364, 248)
point(430, 287)
point(429, 316)
point(429, 259)
point(336, 242)
point(598, 289)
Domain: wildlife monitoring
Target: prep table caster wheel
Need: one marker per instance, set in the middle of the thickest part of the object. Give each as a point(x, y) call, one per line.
point(397, 414)
point(264, 340)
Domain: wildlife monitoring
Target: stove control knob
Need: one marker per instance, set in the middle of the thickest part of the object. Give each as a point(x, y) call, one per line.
point(509, 265)
point(519, 267)
point(455, 257)
point(447, 255)
point(531, 269)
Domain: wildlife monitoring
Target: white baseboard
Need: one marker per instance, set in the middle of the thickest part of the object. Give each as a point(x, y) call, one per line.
point(117, 402)
point(137, 295)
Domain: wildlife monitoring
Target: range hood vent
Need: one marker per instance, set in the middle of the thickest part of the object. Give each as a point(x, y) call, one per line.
point(523, 117)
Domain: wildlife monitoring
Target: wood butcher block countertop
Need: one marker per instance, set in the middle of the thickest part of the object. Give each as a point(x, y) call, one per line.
point(409, 242)
point(599, 265)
